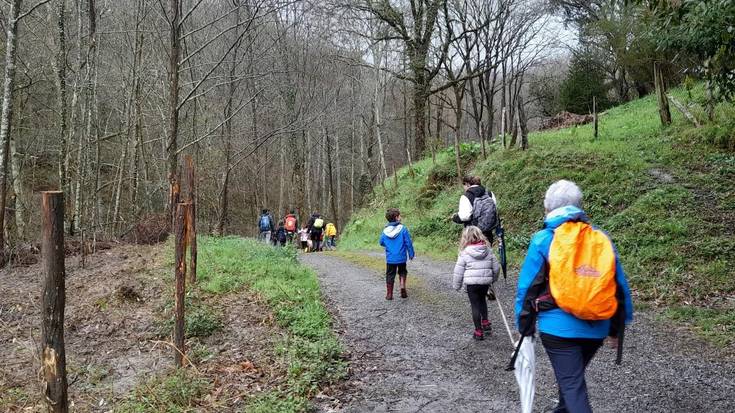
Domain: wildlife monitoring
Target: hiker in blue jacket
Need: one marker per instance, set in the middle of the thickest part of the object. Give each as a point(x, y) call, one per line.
point(570, 342)
point(397, 243)
point(265, 226)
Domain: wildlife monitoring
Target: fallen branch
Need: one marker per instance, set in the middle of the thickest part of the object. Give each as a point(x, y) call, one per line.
point(687, 114)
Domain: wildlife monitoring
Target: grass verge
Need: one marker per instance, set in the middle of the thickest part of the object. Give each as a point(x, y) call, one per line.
point(309, 347)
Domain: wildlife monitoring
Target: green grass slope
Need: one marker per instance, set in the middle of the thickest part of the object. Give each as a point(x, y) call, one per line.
point(666, 196)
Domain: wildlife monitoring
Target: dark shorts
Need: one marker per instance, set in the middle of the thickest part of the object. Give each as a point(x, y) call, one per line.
point(392, 269)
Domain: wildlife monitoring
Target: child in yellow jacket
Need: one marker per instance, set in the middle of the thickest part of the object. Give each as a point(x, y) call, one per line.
point(331, 234)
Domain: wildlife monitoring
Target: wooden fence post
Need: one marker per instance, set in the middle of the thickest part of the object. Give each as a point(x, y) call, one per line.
point(182, 213)
point(395, 177)
point(594, 113)
point(663, 102)
point(53, 356)
point(192, 219)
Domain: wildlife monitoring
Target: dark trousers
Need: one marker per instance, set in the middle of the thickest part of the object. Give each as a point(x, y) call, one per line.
point(316, 241)
point(476, 294)
point(392, 269)
point(489, 235)
point(569, 358)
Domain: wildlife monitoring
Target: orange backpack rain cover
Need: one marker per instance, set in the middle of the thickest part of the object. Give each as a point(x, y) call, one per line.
point(582, 271)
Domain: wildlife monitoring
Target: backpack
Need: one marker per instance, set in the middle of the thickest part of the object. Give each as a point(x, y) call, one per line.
point(265, 223)
point(291, 223)
point(281, 235)
point(484, 214)
point(582, 272)
point(318, 223)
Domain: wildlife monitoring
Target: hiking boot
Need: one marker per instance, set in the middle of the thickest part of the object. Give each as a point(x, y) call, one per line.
point(389, 291)
point(487, 327)
point(478, 336)
point(404, 294)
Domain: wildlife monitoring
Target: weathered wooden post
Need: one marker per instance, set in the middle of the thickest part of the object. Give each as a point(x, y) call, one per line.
point(175, 197)
point(192, 219)
point(594, 113)
point(182, 214)
point(410, 164)
point(663, 102)
point(395, 178)
point(53, 356)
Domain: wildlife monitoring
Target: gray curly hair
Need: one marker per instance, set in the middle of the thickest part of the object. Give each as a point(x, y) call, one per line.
point(562, 193)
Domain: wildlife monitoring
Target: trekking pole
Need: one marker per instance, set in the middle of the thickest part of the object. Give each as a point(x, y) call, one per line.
point(511, 365)
point(502, 313)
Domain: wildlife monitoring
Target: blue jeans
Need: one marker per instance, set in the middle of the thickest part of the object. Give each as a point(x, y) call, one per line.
point(569, 358)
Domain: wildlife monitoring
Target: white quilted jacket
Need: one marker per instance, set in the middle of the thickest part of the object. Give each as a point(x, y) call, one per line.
point(476, 265)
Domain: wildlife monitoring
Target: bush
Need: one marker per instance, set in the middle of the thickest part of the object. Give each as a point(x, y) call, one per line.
point(584, 81)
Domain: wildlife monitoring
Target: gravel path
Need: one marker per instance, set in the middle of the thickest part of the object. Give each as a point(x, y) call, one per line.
point(417, 354)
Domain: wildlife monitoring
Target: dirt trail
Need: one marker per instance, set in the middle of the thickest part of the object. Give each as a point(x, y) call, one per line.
point(417, 354)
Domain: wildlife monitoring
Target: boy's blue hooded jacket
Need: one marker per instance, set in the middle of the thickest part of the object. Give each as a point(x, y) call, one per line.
point(397, 242)
point(557, 322)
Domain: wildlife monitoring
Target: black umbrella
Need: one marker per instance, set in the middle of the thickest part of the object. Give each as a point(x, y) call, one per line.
point(500, 232)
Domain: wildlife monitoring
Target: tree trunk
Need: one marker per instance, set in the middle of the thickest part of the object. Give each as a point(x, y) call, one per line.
point(180, 226)
point(6, 116)
point(173, 97)
point(282, 178)
point(338, 177)
point(16, 160)
point(419, 109)
point(307, 177)
point(523, 121)
point(61, 89)
point(138, 102)
point(459, 99)
point(377, 107)
point(335, 212)
point(223, 203)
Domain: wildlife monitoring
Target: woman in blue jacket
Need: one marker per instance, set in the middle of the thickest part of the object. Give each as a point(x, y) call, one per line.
point(570, 342)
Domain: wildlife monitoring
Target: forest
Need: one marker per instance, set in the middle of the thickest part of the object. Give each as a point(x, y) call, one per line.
point(343, 108)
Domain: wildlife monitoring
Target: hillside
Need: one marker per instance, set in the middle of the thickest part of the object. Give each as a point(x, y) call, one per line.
point(665, 195)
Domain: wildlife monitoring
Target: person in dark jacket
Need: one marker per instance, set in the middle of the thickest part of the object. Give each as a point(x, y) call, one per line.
point(570, 342)
point(316, 229)
point(398, 245)
point(281, 235)
point(466, 211)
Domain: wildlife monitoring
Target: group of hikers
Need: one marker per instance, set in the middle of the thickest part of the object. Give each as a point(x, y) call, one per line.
point(315, 235)
point(571, 283)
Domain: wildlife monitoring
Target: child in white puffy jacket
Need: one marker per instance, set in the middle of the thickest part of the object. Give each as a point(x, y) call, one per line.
point(477, 268)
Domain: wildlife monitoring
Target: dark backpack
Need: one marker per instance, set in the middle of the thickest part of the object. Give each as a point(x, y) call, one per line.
point(484, 215)
point(265, 223)
point(281, 235)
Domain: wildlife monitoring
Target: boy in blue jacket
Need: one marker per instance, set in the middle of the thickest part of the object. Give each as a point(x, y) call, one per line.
point(397, 243)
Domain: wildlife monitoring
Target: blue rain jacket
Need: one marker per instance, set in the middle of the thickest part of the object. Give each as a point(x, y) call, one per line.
point(557, 322)
point(397, 243)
